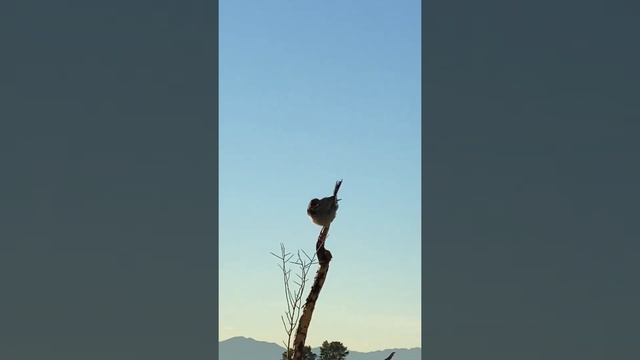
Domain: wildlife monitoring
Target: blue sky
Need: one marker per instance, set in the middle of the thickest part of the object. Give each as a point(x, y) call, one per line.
point(311, 92)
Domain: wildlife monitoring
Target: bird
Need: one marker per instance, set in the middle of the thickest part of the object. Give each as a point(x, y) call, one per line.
point(323, 211)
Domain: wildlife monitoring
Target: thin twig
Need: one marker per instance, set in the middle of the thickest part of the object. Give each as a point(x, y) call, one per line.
point(293, 296)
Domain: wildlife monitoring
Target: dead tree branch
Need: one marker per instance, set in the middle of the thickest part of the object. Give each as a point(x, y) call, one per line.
point(293, 297)
point(324, 257)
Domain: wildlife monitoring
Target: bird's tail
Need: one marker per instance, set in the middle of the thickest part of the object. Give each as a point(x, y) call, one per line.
point(335, 190)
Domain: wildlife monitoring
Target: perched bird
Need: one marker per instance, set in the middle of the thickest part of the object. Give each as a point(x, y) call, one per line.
point(323, 211)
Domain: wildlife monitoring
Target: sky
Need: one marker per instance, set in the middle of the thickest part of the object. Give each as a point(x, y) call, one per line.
point(312, 92)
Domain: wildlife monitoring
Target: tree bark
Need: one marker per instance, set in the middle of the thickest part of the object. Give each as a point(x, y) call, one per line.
point(324, 257)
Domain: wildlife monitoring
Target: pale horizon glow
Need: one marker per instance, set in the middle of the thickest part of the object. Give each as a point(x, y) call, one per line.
point(313, 92)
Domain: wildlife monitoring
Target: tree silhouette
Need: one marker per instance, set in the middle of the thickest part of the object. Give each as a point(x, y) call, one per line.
point(307, 355)
point(334, 350)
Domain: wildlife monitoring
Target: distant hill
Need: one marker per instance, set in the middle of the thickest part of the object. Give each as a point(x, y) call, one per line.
point(243, 348)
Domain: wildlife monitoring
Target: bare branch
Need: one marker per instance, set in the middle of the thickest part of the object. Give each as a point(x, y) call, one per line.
point(304, 319)
point(293, 292)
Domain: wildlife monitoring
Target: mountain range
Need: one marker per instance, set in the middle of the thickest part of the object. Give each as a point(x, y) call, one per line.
point(244, 348)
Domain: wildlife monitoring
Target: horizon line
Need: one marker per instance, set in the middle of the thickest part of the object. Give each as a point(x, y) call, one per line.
point(359, 351)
